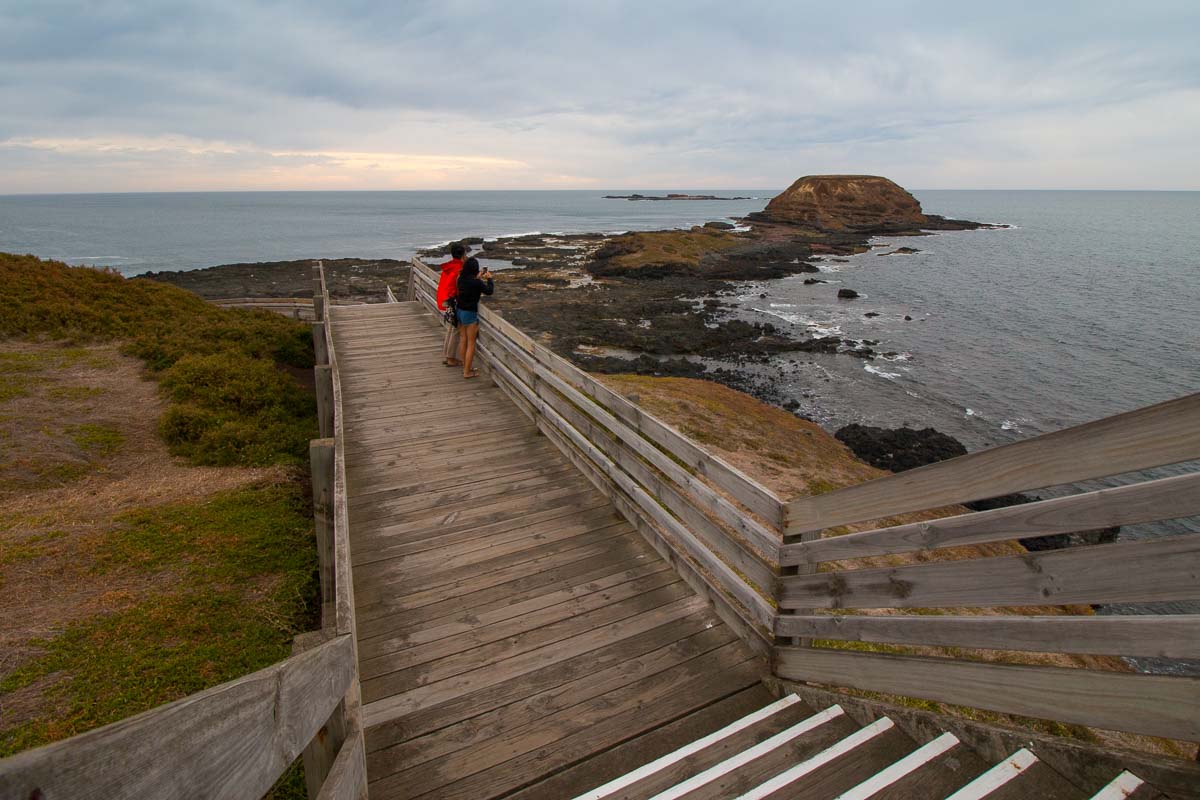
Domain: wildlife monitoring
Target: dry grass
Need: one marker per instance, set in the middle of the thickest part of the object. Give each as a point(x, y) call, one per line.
point(60, 493)
point(794, 458)
point(671, 247)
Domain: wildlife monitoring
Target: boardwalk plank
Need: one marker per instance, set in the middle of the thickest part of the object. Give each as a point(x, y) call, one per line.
point(511, 624)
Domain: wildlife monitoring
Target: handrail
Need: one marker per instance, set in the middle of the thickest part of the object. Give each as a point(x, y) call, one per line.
point(238, 738)
point(1062, 583)
point(724, 533)
point(233, 740)
point(1166, 433)
point(718, 526)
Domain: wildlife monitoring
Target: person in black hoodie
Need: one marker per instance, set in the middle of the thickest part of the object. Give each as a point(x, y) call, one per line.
point(471, 286)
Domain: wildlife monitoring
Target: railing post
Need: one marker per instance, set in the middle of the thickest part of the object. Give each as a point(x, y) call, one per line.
point(802, 569)
point(318, 301)
point(320, 454)
point(322, 750)
point(412, 281)
point(324, 390)
point(320, 346)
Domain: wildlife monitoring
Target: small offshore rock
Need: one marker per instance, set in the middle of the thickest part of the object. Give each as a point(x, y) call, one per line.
point(721, 226)
point(847, 294)
point(898, 449)
point(907, 318)
point(871, 314)
point(811, 281)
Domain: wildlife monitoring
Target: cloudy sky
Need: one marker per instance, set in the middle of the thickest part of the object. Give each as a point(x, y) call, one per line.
point(133, 95)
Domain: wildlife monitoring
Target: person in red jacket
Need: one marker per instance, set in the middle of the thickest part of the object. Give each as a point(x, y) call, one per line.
point(447, 292)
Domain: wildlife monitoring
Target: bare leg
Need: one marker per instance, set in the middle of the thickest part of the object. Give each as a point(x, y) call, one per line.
point(469, 332)
point(451, 347)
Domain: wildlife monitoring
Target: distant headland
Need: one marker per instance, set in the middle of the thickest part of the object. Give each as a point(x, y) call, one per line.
point(670, 197)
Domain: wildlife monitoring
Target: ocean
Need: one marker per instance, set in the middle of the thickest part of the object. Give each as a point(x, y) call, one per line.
point(1089, 305)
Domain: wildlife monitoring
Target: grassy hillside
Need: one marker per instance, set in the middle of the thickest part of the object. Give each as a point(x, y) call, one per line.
point(155, 518)
point(230, 401)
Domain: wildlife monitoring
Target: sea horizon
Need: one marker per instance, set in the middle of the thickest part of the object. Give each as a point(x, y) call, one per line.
point(688, 189)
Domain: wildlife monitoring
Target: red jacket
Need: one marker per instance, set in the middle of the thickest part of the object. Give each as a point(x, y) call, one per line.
point(448, 283)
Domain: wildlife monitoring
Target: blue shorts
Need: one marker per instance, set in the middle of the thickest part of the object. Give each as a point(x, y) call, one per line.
point(467, 317)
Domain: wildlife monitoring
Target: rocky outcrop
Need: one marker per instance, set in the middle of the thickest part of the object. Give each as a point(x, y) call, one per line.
point(866, 203)
point(898, 449)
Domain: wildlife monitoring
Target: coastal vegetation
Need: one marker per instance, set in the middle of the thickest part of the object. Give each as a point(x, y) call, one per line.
point(660, 252)
point(231, 401)
point(155, 520)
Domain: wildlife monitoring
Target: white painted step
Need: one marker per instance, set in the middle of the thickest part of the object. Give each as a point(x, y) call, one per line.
point(614, 786)
point(905, 766)
point(822, 758)
point(997, 776)
point(749, 754)
point(1121, 787)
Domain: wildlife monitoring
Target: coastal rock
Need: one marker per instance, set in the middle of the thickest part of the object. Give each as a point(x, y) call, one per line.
point(847, 294)
point(362, 280)
point(1056, 541)
point(898, 449)
point(811, 281)
point(900, 251)
point(721, 226)
point(867, 203)
point(871, 314)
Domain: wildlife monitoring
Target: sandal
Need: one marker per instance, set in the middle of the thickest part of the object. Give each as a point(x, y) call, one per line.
point(452, 362)
point(472, 374)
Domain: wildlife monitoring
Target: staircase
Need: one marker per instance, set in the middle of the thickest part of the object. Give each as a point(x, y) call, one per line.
point(789, 750)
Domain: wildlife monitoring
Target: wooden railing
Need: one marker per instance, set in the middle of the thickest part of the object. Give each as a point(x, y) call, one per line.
point(1157, 569)
point(235, 740)
point(719, 528)
point(771, 574)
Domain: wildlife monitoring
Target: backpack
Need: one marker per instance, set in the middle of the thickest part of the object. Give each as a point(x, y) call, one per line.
point(451, 316)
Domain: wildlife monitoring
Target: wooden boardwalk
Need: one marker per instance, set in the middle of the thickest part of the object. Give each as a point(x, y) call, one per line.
point(516, 637)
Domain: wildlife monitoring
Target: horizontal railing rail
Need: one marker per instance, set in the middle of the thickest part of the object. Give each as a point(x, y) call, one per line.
point(904, 568)
point(238, 738)
point(892, 609)
point(233, 740)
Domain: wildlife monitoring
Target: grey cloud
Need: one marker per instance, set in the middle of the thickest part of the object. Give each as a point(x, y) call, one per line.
point(575, 88)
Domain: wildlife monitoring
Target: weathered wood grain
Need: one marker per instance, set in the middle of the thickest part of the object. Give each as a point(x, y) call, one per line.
point(766, 540)
point(745, 560)
point(1162, 636)
point(1148, 437)
point(747, 491)
point(231, 741)
point(1150, 704)
point(726, 579)
point(321, 465)
point(730, 613)
point(1134, 572)
point(1167, 498)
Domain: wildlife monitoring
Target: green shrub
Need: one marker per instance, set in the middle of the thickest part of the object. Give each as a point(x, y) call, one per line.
point(231, 402)
point(233, 409)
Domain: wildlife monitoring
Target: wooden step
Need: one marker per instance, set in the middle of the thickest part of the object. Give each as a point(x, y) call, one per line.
point(1127, 786)
point(704, 753)
point(753, 765)
point(837, 768)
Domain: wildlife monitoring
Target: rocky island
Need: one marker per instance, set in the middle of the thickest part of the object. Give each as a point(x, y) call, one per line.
point(656, 302)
